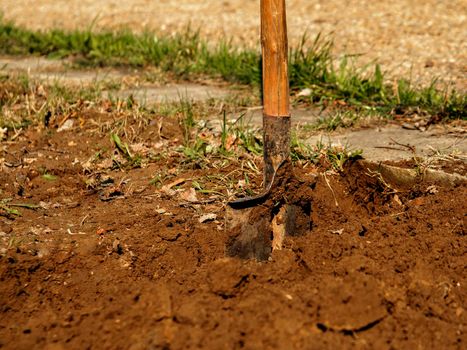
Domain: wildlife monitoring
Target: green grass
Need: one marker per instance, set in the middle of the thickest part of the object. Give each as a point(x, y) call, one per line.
point(187, 55)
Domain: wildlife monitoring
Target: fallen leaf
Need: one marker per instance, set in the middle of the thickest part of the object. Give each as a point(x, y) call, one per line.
point(207, 217)
point(189, 195)
point(230, 142)
point(3, 133)
point(159, 144)
point(167, 189)
point(66, 126)
point(338, 232)
point(110, 193)
point(305, 93)
point(176, 183)
point(397, 199)
point(140, 148)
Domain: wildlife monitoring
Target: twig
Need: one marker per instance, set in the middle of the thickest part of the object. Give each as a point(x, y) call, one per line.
point(332, 191)
point(407, 146)
point(84, 219)
point(77, 233)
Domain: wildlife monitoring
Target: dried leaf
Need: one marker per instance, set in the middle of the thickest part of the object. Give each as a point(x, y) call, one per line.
point(338, 232)
point(189, 195)
point(167, 189)
point(175, 183)
point(305, 93)
point(207, 217)
point(397, 199)
point(67, 125)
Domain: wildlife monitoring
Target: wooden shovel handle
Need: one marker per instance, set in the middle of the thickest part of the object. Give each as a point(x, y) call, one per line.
point(276, 113)
point(275, 63)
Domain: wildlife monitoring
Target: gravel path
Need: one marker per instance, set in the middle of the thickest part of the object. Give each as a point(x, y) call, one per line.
point(420, 39)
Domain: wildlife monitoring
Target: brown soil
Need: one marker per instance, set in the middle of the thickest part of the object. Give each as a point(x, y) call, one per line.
point(123, 265)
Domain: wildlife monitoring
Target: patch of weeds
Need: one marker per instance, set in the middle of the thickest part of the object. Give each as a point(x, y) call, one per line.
point(46, 175)
point(334, 156)
point(237, 135)
point(14, 242)
point(196, 149)
point(29, 102)
point(201, 187)
point(340, 119)
point(186, 119)
point(8, 209)
point(225, 186)
point(132, 161)
point(337, 155)
point(301, 151)
point(236, 140)
point(249, 139)
point(198, 142)
point(159, 179)
point(186, 55)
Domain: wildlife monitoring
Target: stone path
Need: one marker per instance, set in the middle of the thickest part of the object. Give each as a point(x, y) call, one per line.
point(390, 142)
point(60, 71)
point(396, 143)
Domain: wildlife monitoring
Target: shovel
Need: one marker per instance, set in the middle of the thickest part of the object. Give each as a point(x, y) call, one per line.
point(257, 225)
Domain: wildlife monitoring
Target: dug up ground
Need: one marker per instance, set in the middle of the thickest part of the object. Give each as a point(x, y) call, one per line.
point(101, 249)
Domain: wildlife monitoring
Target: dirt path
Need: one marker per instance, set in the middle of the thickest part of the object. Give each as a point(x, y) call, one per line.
point(419, 39)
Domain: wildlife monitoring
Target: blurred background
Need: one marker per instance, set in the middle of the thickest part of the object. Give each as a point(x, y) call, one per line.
point(416, 39)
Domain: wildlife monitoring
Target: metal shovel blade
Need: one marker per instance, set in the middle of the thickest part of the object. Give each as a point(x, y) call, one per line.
point(257, 225)
point(250, 234)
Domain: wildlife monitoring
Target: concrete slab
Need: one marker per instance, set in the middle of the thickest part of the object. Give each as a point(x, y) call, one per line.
point(29, 63)
point(390, 142)
point(394, 142)
point(59, 71)
point(149, 94)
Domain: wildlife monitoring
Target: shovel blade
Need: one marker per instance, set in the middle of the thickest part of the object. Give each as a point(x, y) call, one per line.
point(249, 236)
point(255, 232)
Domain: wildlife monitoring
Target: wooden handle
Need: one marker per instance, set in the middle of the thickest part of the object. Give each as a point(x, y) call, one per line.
point(275, 63)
